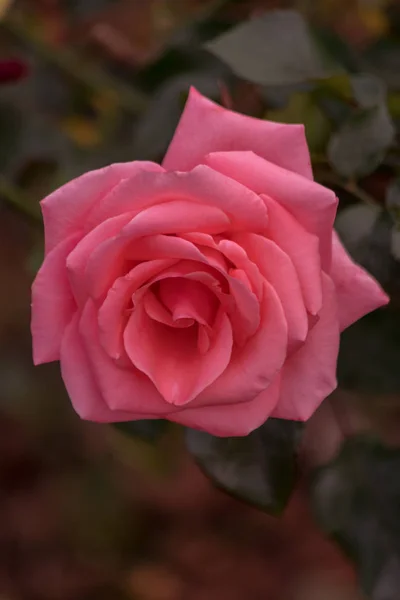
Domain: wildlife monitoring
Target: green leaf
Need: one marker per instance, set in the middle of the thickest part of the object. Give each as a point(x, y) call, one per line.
point(369, 354)
point(356, 500)
point(303, 109)
point(146, 429)
point(276, 48)
point(259, 468)
point(360, 144)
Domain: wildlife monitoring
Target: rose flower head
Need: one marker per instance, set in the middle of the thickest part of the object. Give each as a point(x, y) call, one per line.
point(210, 291)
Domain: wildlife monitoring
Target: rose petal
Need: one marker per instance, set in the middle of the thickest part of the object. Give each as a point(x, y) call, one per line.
point(170, 357)
point(253, 366)
point(157, 311)
point(207, 127)
point(126, 390)
point(231, 419)
point(234, 253)
point(188, 299)
point(313, 205)
point(81, 384)
point(202, 186)
point(309, 375)
point(302, 248)
point(107, 261)
point(65, 210)
point(358, 293)
point(278, 269)
point(53, 304)
point(78, 258)
point(113, 314)
point(241, 304)
point(238, 301)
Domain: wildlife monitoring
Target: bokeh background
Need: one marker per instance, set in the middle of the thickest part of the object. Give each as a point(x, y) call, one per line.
point(87, 513)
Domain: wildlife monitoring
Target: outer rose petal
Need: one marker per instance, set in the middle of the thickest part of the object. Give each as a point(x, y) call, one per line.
point(207, 127)
point(231, 419)
point(81, 384)
point(302, 248)
point(309, 375)
point(358, 293)
point(279, 271)
point(77, 260)
point(201, 186)
point(64, 210)
point(53, 304)
point(313, 205)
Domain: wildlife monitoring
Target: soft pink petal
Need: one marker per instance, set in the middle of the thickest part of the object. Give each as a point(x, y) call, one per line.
point(309, 375)
point(313, 205)
point(235, 254)
point(108, 260)
point(114, 312)
point(302, 248)
point(188, 299)
point(240, 303)
point(358, 293)
point(123, 389)
point(278, 269)
point(202, 186)
point(207, 127)
point(253, 366)
point(65, 210)
point(171, 359)
point(231, 419)
point(53, 304)
point(157, 311)
point(237, 300)
point(81, 384)
point(77, 260)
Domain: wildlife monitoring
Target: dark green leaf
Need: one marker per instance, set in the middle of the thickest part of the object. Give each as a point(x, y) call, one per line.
point(335, 47)
point(274, 49)
point(301, 108)
point(149, 430)
point(360, 144)
point(356, 499)
point(366, 232)
point(369, 354)
point(259, 468)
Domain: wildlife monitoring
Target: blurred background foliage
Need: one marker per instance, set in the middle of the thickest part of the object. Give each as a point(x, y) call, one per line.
point(93, 512)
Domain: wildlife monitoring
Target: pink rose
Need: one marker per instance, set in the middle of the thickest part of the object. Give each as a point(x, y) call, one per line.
point(210, 291)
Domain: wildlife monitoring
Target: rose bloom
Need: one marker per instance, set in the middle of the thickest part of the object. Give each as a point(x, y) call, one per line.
point(210, 291)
